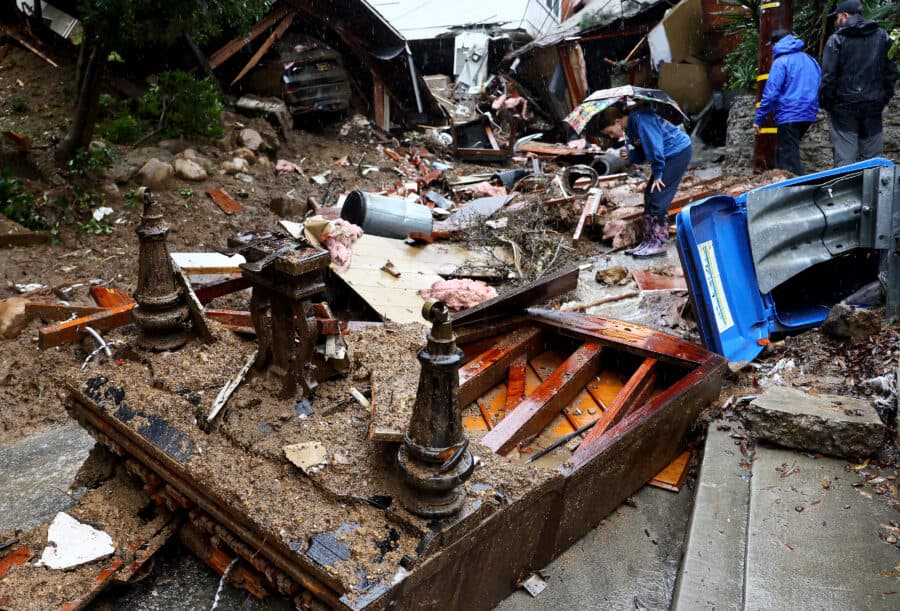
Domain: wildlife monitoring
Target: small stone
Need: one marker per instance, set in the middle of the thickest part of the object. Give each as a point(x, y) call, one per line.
point(613, 275)
point(244, 177)
point(592, 410)
point(245, 153)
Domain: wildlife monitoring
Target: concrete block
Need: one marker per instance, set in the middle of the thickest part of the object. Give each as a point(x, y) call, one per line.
point(827, 424)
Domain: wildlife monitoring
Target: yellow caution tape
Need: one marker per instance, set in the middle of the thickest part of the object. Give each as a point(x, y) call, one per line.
point(768, 130)
point(769, 5)
point(762, 77)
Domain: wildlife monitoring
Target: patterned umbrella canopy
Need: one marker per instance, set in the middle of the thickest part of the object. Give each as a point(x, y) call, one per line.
point(600, 100)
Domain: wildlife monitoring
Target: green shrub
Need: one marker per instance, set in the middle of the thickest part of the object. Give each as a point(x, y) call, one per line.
point(183, 106)
point(17, 204)
point(85, 162)
point(123, 129)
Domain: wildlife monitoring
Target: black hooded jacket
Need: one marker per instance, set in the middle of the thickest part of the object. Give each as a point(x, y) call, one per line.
point(857, 76)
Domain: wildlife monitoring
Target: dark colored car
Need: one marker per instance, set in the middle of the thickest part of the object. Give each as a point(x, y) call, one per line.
point(307, 73)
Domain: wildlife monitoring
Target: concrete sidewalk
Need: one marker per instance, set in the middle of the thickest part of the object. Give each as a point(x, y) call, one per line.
point(790, 532)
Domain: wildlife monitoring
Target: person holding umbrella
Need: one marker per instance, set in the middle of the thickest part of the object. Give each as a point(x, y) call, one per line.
point(649, 137)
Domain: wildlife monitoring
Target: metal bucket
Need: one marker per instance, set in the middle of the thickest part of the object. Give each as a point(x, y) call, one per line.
point(386, 216)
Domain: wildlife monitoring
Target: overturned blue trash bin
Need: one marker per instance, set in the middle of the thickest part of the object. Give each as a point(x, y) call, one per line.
point(776, 259)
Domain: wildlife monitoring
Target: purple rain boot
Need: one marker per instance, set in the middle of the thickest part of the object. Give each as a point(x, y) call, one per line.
point(658, 243)
point(648, 230)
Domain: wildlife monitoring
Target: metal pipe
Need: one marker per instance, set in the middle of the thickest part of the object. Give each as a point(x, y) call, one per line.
point(386, 216)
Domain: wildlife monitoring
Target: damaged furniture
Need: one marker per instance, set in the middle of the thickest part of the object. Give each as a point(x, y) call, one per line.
point(777, 258)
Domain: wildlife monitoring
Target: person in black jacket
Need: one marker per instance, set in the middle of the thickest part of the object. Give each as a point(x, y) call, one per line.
point(858, 81)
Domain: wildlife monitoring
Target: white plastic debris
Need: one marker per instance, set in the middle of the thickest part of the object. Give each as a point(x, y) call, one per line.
point(534, 585)
point(71, 543)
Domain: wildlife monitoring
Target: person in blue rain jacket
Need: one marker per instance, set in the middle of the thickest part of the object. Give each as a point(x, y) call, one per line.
point(792, 96)
point(649, 137)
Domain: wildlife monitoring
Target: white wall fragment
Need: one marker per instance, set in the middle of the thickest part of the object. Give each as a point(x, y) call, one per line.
point(71, 543)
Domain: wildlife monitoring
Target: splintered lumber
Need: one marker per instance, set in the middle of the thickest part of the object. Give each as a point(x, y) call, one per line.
point(110, 298)
point(273, 37)
point(194, 305)
point(531, 294)
point(634, 393)
point(233, 46)
point(73, 330)
point(236, 320)
point(580, 307)
point(590, 208)
point(541, 407)
point(58, 311)
point(490, 368)
point(224, 201)
point(220, 288)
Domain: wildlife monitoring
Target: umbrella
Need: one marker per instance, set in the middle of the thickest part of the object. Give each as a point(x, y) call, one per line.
point(600, 100)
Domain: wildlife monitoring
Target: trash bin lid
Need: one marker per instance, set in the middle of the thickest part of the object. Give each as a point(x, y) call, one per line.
point(715, 251)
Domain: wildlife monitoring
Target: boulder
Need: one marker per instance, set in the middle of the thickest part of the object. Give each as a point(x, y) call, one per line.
point(827, 424)
point(155, 173)
point(851, 322)
point(189, 169)
point(250, 139)
point(12, 317)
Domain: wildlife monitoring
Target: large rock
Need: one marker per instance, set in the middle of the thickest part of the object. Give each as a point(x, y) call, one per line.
point(851, 322)
point(155, 173)
point(189, 169)
point(826, 424)
point(12, 317)
point(250, 139)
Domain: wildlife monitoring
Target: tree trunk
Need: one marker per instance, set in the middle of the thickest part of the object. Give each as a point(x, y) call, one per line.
point(86, 107)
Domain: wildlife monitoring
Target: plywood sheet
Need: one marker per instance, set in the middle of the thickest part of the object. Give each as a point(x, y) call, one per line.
point(398, 299)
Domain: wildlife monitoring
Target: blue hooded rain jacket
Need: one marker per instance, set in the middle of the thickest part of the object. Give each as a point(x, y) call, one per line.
point(792, 89)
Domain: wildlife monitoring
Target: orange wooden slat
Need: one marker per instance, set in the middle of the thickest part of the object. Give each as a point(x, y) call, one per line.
point(539, 409)
point(110, 298)
point(515, 383)
point(490, 367)
point(672, 477)
point(224, 201)
point(635, 392)
point(73, 330)
point(58, 311)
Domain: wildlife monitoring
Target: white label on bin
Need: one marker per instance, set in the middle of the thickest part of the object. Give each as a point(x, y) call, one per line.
point(714, 284)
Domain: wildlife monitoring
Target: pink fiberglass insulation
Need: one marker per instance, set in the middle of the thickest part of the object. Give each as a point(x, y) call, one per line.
point(460, 294)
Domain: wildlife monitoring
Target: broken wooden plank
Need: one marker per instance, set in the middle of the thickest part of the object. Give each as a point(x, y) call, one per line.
point(196, 308)
point(73, 330)
point(236, 44)
point(542, 406)
point(110, 298)
point(13, 234)
point(224, 201)
point(490, 368)
point(235, 320)
point(20, 140)
point(635, 392)
point(672, 477)
point(590, 208)
point(58, 311)
point(277, 33)
point(531, 294)
point(220, 288)
point(208, 264)
point(28, 46)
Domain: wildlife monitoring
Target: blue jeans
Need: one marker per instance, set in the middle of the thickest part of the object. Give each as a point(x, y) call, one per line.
point(658, 203)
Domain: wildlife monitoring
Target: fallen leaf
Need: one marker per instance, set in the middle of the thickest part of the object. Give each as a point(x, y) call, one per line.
point(861, 466)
